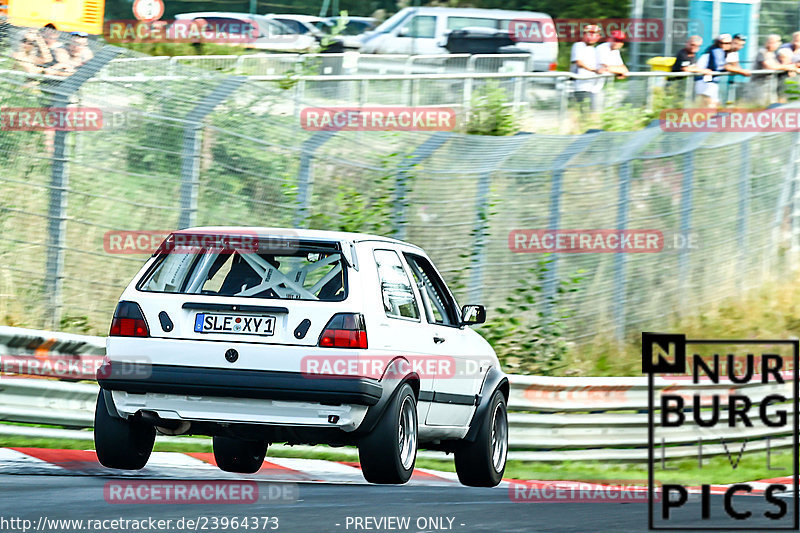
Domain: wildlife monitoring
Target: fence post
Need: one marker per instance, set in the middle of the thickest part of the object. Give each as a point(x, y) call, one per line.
point(299, 97)
point(619, 257)
point(550, 284)
point(517, 94)
point(305, 176)
point(648, 104)
point(562, 86)
point(192, 140)
point(685, 220)
point(57, 222)
point(688, 91)
point(790, 197)
point(479, 237)
point(423, 151)
point(467, 95)
point(744, 211)
point(59, 184)
point(363, 87)
point(482, 206)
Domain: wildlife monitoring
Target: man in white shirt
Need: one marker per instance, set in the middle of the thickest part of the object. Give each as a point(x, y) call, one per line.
point(583, 61)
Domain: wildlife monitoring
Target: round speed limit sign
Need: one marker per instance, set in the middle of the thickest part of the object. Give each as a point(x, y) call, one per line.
point(148, 10)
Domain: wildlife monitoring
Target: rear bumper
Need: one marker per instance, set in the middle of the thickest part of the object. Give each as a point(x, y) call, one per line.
point(254, 384)
point(191, 408)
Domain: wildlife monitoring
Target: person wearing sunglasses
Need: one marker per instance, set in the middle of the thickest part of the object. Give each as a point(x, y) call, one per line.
point(583, 61)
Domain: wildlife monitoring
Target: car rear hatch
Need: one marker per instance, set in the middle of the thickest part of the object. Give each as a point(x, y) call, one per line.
point(241, 288)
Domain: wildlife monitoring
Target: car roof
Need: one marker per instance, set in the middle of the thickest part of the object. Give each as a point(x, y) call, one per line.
point(478, 12)
point(212, 14)
point(308, 234)
point(355, 19)
point(301, 18)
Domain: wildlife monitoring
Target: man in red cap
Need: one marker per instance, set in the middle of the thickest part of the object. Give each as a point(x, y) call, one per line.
point(609, 56)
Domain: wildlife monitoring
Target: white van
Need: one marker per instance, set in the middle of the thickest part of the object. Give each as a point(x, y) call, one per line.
point(424, 30)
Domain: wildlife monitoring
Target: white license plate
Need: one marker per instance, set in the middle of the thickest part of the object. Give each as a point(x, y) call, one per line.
point(239, 324)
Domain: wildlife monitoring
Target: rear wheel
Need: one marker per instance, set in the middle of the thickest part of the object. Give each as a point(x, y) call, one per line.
point(482, 463)
point(121, 443)
point(388, 452)
point(237, 455)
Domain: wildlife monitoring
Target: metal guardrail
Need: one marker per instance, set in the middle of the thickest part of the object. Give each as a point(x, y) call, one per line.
point(551, 418)
point(350, 63)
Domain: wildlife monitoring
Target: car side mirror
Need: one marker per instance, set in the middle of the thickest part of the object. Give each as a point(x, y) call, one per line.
point(403, 32)
point(473, 314)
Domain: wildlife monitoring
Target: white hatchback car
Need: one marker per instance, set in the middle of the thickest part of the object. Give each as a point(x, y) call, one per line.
point(263, 335)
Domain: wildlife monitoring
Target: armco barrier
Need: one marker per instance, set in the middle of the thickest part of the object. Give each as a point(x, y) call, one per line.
point(551, 418)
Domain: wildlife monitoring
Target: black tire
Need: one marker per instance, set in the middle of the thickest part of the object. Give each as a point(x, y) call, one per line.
point(482, 463)
point(237, 455)
point(383, 459)
point(125, 444)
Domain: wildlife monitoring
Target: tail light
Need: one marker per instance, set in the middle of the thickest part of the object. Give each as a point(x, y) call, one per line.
point(344, 330)
point(128, 321)
point(552, 66)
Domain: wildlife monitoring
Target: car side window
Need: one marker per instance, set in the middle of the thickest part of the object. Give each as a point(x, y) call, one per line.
point(440, 308)
point(397, 293)
point(458, 23)
point(421, 27)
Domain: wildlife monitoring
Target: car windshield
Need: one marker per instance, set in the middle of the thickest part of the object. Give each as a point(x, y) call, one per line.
point(395, 20)
point(304, 273)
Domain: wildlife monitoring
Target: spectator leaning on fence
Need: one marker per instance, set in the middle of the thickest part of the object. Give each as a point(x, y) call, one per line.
point(78, 49)
point(686, 58)
point(583, 61)
point(793, 47)
point(713, 59)
point(61, 64)
point(32, 54)
point(767, 59)
point(609, 57)
point(732, 59)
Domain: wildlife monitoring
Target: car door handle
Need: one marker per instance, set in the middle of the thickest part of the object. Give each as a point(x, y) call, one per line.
point(438, 340)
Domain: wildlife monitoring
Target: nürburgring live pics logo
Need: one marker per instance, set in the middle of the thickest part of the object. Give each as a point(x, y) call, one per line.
point(732, 398)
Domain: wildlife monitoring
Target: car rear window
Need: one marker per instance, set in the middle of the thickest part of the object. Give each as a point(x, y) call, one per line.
point(304, 273)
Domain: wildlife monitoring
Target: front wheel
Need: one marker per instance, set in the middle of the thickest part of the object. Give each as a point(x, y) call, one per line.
point(121, 443)
point(482, 463)
point(240, 456)
point(388, 452)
